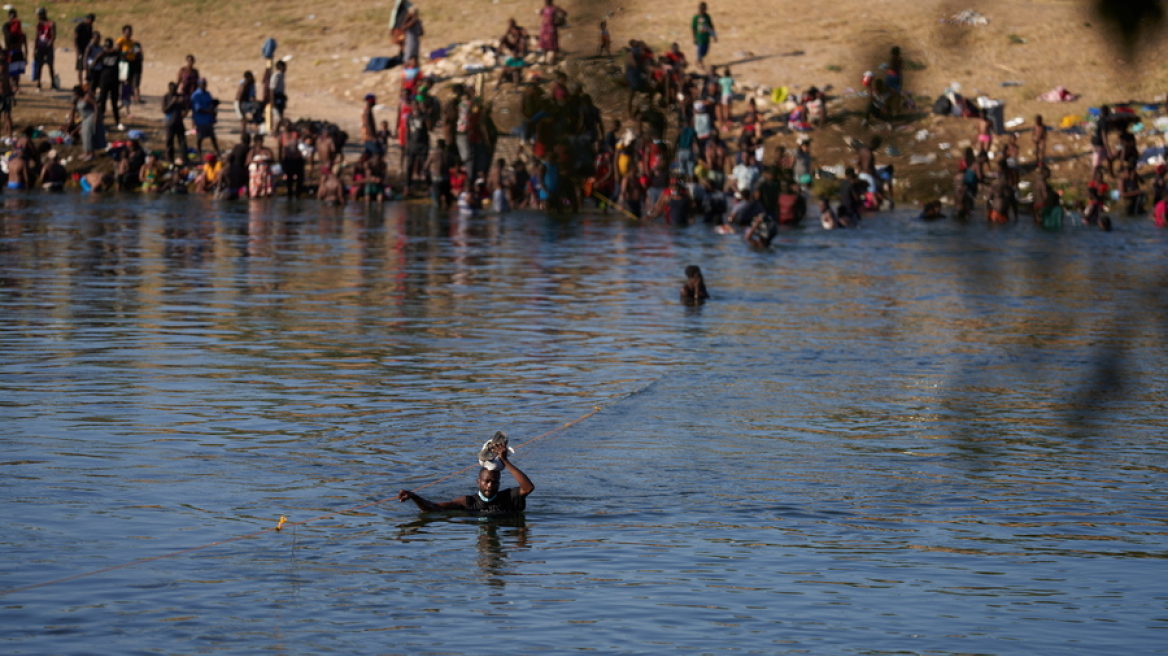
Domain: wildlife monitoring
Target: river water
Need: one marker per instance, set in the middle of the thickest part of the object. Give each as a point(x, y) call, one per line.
point(908, 438)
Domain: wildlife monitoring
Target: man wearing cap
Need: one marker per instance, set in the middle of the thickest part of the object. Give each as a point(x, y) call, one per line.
point(82, 35)
point(488, 500)
point(46, 39)
point(369, 128)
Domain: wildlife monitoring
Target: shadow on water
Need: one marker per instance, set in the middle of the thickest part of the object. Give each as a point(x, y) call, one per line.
point(1033, 309)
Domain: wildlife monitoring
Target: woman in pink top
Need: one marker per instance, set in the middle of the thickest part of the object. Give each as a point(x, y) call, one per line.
point(551, 17)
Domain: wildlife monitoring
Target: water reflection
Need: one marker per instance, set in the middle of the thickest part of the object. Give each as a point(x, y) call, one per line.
point(496, 539)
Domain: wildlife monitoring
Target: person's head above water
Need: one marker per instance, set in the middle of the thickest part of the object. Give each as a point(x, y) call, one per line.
point(488, 482)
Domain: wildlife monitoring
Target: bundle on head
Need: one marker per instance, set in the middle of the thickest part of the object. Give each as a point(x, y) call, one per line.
point(488, 454)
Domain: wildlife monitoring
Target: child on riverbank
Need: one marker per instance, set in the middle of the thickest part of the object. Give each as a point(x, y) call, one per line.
point(605, 47)
point(985, 138)
point(726, 98)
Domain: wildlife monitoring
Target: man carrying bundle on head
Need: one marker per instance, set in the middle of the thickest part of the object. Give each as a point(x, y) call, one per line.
point(489, 500)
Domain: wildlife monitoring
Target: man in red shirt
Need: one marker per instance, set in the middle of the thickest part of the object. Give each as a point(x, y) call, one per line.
point(46, 39)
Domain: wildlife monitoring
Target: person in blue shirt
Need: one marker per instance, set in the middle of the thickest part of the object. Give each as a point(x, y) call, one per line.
point(203, 108)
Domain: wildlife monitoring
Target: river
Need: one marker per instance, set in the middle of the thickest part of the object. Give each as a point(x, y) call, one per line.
point(904, 439)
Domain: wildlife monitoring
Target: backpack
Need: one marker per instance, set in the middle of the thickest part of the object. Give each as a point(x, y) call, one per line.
point(942, 106)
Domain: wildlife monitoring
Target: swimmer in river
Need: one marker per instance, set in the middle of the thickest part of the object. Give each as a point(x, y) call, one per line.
point(932, 211)
point(488, 500)
point(694, 290)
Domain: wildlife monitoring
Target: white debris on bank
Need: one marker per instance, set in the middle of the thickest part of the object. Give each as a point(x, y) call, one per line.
point(969, 18)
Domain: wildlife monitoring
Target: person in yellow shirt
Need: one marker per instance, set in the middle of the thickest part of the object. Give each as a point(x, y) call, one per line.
point(208, 179)
point(131, 54)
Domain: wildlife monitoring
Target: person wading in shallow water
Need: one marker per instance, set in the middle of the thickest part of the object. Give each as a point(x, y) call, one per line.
point(488, 500)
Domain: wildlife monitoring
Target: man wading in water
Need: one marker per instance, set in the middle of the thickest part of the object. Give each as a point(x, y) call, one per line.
point(488, 500)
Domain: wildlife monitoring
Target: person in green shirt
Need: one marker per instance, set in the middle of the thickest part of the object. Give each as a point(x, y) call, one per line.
point(703, 31)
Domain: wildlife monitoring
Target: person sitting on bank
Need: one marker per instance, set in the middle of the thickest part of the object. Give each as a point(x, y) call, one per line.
point(488, 500)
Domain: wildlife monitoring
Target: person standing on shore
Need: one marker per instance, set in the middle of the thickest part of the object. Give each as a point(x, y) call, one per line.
point(411, 25)
point(6, 92)
point(291, 158)
point(131, 54)
point(246, 105)
point(174, 106)
point(17, 46)
point(1039, 134)
point(417, 143)
point(43, 50)
point(107, 63)
point(82, 35)
point(92, 57)
point(188, 79)
point(86, 108)
point(372, 145)
point(702, 27)
point(279, 97)
point(551, 18)
point(203, 107)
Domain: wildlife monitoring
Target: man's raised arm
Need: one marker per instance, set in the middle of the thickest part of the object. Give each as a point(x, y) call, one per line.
point(526, 487)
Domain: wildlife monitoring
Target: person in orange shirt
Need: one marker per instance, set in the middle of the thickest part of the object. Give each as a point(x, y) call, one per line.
point(131, 54)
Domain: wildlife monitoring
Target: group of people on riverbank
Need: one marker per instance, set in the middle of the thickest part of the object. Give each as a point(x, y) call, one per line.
point(682, 151)
point(995, 177)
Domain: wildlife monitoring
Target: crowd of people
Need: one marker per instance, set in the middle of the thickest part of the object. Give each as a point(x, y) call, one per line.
point(681, 151)
point(995, 177)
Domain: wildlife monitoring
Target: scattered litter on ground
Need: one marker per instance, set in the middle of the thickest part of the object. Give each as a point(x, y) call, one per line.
point(1153, 156)
point(968, 17)
point(1058, 94)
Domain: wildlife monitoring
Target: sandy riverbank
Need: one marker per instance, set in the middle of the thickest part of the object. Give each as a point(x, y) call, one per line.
point(1030, 45)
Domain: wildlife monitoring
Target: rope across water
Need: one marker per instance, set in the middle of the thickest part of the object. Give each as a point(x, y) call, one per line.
point(284, 523)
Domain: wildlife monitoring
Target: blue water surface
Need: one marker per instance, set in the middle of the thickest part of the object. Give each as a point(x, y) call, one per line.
point(908, 438)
